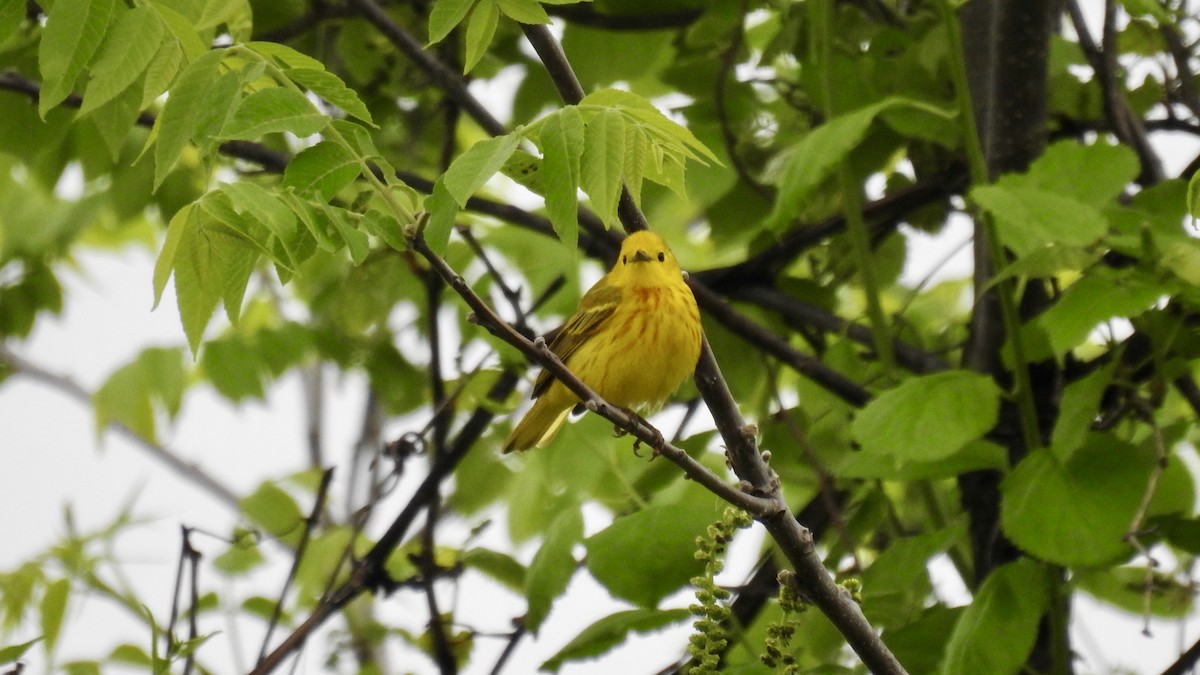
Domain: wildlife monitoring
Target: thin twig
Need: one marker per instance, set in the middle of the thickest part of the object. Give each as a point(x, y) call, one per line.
point(728, 55)
point(370, 573)
point(310, 524)
point(1103, 59)
point(512, 295)
point(509, 647)
point(444, 76)
point(1186, 663)
point(186, 470)
point(1134, 532)
point(189, 559)
point(313, 378)
point(194, 605)
point(776, 346)
point(912, 358)
point(587, 15)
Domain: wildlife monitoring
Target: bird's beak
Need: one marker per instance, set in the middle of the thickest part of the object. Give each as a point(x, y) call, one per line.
point(641, 256)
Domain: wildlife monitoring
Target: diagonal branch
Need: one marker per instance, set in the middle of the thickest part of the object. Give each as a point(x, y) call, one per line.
point(445, 77)
point(184, 469)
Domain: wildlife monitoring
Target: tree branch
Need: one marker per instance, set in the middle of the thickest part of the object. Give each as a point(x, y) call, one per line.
point(1127, 126)
point(191, 473)
point(586, 15)
point(792, 309)
point(445, 77)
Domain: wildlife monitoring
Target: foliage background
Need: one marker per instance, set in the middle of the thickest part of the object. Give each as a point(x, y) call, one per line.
point(793, 107)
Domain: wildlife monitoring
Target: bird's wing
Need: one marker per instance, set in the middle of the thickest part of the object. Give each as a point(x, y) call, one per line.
point(596, 307)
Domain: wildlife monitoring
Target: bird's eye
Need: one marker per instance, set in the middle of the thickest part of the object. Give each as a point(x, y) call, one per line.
point(661, 256)
point(623, 260)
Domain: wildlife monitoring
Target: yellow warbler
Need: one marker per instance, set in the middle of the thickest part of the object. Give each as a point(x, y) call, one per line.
point(634, 338)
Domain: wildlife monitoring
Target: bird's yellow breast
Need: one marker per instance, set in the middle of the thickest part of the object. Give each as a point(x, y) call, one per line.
point(655, 337)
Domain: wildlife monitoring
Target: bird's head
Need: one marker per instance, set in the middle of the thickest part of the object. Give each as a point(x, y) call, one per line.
point(646, 260)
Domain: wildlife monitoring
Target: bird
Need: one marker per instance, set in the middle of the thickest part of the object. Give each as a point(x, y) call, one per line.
point(633, 340)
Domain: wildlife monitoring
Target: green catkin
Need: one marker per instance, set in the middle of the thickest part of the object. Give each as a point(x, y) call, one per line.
point(779, 634)
point(707, 643)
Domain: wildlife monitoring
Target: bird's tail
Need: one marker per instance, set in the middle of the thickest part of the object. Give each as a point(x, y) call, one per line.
point(540, 425)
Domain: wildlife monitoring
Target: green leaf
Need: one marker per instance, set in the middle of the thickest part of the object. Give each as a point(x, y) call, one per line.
point(997, 630)
point(1078, 410)
point(89, 667)
point(275, 110)
point(356, 240)
point(222, 99)
point(12, 653)
point(445, 15)
point(182, 30)
point(324, 168)
point(1091, 174)
point(976, 455)
point(1076, 512)
point(481, 28)
point(175, 125)
point(602, 163)
point(331, 88)
point(474, 167)
point(443, 210)
point(612, 630)
point(920, 644)
point(234, 368)
point(1149, 8)
point(897, 583)
point(552, 567)
point(128, 395)
point(115, 119)
point(53, 611)
point(17, 592)
point(525, 169)
point(1125, 587)
point(562, 143)
point(254, 201)
point(1193, 196)
point(1029, 218)
point(645, 556)
point(211, 264)
point(134, 40)
point(524, 11)
point(637, 154)
point(123, 399)
point(384, 226)
point(73, 32)
point(1182, 258)
point(12, 14)
point(165, 264)
point(813, 160)
point(1097, 297)
point(242, 556)
point(275, 511)
point(285, 56)
point(651, 119)
point(1047, 261)
point(499, 566)
point(928, 418)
